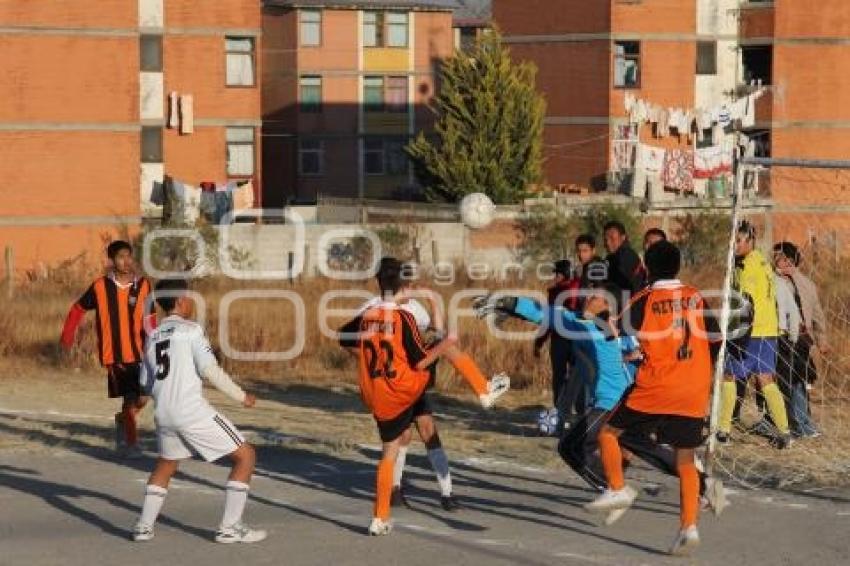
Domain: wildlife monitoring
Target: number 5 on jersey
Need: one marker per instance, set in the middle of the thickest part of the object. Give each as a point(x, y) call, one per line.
point(163, 360)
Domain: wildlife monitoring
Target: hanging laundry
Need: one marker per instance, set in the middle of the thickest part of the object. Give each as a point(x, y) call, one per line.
point(223, 207)
point(187, 120)
point(724, 116)
point(243, 197)
point(173, 111)
point(623, 155)
point(192, 204)
point(678, 172)
point(748, 120)
point(712, 161)
point(208, 204)
point(677, 116)
point(647, 176)
point(663, 123)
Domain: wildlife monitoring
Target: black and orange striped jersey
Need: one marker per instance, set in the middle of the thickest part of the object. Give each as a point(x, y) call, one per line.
point(390, 348)
point(120, 311)
point(675, 375)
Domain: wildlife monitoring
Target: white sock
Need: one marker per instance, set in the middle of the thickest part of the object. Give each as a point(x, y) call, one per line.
point(398, 469)
point(440, 463)
point(154, 498)
point(235, 496)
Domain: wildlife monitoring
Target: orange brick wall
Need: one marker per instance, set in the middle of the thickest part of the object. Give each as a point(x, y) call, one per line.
point(70, 174)
point(50, 78)
point(757, 22)
point(77, 13)
point(217, 14)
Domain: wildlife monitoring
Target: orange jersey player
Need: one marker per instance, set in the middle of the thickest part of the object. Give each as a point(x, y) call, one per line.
point(395, 369)
point(672, 387)
point(119, 300)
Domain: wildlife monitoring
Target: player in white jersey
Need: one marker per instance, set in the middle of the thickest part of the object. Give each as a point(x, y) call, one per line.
point(176, 358)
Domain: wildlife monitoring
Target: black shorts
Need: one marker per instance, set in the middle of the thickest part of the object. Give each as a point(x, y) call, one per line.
point(393, 428)
point(122, 380)
point(675, 430)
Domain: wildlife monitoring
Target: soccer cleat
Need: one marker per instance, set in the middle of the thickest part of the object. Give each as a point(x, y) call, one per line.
point(611, 500)
point(498, 385)
point(685, 542)
point(723, 437)
point(614, 516)
point(378, 527)
point(449, 503)
point(715, 496)
point(142, 533)
point(398, 499)
point(239, 533)
point(782, 442)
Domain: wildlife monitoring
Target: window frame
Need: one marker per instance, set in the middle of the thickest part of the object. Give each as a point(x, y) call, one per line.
point(379, 28)
point(252, 144)
point(155, 39)
point(302, 105)
point(391, 171)
point(388, 107)
point(320, 153)
point(710, 69)
point(627, 57)
point(388, 25)
point(374, 108)
point(155, 156)
point(301, 22)
point(381, 153)
point(252, 54)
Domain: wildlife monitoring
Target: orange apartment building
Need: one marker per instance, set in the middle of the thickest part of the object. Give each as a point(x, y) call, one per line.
point(692, 54)
point(84, 108)
point(346, 85)
point(803, 53)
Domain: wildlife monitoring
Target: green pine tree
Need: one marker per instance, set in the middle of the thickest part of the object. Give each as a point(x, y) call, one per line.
point(489, 129)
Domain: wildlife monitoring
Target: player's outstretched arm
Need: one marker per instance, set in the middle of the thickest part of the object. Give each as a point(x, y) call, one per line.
point(207, 367)
point(505, 305)
point(75, 316)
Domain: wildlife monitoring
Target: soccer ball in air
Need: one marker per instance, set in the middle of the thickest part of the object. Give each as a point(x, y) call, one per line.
point(476, 210)
point(547, 422)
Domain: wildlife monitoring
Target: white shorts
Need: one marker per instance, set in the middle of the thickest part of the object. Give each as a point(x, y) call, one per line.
point(211, 438)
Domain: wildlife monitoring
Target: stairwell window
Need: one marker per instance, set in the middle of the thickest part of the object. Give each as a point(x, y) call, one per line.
point(706, 57)
point(311, 93)
point(627, 64)
point(373, 94)
point(374, 157)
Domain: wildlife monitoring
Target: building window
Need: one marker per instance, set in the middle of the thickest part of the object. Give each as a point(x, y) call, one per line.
point(310, 157)
point(466, 38)
point(373, 94)
point(311, 93)
point(150, 53)
point(627, 64)
point(374, 157)
point(240, 152)
point(311, 27)
point(706, 57)
point(396, 29)
point(396, 158)
point(373, 29)
point(240, 61)
point(396, 95)
point(151, 144)
point(758, 63)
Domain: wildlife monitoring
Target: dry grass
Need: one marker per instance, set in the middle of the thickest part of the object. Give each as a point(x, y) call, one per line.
point(30, 325)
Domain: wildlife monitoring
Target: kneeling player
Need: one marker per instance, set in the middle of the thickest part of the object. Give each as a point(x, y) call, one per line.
point(176, 357)
point(671, 392)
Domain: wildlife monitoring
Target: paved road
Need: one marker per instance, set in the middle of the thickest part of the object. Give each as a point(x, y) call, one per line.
point(73, 506)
